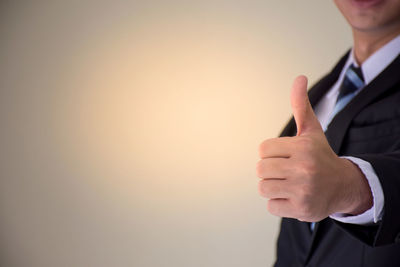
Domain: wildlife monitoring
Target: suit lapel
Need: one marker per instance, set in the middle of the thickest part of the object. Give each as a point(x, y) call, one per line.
point(326, 83)
point(338, 127)
point(382, 83)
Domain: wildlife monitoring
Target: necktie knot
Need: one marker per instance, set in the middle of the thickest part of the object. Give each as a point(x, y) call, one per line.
point(353, 80)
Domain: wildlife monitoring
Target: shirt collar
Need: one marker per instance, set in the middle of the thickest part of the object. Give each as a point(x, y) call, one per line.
point(371, 67)
point(379, 60)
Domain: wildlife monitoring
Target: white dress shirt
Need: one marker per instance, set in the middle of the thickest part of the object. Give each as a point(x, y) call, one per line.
point(371, 68)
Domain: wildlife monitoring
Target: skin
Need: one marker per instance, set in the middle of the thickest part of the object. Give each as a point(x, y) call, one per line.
point(301, 176)
point(373, 26)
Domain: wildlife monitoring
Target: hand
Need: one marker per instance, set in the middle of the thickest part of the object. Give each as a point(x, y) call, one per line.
point(302, 177)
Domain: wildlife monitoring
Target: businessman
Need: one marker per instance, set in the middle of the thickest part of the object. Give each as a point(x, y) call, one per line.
point(334, 174)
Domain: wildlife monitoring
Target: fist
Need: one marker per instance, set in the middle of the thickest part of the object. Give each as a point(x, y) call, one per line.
point(302, 177)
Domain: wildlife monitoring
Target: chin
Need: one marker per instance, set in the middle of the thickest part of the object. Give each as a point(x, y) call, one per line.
point(370, 15)
point(365, 26)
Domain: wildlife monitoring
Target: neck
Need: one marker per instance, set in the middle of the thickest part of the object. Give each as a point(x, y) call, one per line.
point(367, 42)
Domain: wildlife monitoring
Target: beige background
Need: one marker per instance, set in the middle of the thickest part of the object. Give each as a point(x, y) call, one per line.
point(129, 129)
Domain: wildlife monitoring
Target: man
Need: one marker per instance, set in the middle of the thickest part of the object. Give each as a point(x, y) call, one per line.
point(334, 175)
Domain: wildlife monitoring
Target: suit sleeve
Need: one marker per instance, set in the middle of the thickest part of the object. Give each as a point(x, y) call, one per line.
point(387, 231)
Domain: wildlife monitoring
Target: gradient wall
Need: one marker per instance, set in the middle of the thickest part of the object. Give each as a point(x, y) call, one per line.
point(129, 129)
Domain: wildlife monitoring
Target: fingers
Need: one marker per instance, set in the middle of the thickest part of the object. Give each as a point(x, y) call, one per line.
point(273, 168)
point(281, 208)
point(274, 189)
point(290, 169)
point(276, 148)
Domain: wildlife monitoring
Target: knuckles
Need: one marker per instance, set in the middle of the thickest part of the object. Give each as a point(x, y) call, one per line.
point(305, 215)
point(304, 144)
point(305, 202)
point(305, 209)
point(307, 170)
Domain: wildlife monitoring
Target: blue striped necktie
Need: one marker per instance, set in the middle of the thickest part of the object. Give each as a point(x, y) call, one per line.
point(353, 81)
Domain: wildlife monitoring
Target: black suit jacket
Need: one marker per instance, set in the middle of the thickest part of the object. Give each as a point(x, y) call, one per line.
point(367, 128)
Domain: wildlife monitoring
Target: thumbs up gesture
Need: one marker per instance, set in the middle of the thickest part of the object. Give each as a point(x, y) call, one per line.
point(302, 177)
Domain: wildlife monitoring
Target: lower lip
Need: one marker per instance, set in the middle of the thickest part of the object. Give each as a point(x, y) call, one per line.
point(366, 3)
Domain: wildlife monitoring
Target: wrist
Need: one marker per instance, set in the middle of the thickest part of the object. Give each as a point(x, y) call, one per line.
point(357, 192)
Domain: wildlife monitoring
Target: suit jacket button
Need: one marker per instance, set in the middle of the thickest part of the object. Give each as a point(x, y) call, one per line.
point(397, 239)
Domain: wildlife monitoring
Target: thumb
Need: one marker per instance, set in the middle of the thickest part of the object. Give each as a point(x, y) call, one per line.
point(306, 121)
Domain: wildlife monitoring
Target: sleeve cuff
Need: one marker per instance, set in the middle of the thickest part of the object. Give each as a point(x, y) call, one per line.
point(374, 214)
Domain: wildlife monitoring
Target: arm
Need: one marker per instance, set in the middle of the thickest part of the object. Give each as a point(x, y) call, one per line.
point(302, 177)
point(387, 231)
point(374, 214)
